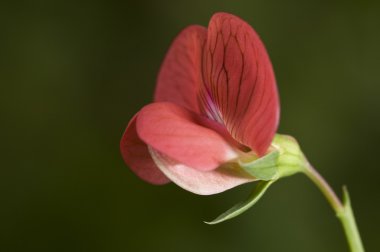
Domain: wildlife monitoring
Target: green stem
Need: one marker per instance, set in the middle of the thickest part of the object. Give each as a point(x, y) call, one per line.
point(343, 210)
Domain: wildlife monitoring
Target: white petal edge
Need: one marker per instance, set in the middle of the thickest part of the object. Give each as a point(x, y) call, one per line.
point(200, 182)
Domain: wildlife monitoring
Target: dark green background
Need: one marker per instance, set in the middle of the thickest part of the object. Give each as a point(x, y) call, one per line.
point(73, 74)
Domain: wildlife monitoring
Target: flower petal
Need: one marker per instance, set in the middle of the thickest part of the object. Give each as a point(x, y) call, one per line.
point(200, 182)
point(239, 79)
point(179, 77)
point(183, 136)
point(136, 155)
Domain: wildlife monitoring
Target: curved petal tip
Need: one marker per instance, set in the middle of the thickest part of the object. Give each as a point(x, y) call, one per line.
point(136, 155)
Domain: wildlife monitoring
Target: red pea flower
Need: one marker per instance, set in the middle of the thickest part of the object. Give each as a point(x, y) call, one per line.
point(213, 122)
point(215, 103)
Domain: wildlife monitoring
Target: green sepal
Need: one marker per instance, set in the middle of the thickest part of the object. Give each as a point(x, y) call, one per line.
point(264, 168)
point(291, 159)
point(243, 206)
point(284, 158)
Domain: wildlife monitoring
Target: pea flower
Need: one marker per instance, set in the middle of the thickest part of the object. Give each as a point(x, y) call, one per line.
point(213, 121)
point(215, 103)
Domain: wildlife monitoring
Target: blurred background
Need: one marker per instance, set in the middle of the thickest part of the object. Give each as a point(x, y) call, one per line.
point(74, 72)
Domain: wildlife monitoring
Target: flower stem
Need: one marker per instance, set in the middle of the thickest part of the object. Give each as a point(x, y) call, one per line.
point(343, 210)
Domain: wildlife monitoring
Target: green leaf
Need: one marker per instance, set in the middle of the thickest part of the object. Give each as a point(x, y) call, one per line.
point(243, 206)
point(264, 168)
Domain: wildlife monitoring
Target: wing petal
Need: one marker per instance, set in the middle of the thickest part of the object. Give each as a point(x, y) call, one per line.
point(183, 136)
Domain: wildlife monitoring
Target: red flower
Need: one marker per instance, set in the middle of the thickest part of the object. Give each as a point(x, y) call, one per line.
point(216, 102)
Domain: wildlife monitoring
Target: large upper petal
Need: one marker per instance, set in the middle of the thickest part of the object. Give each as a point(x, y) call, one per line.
point(225, 177)
point(136, 155)
point(183, 136)
point(239, 82)
point(180, 74)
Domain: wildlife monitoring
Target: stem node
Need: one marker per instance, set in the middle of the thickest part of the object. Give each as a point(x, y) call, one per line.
point(342, 210)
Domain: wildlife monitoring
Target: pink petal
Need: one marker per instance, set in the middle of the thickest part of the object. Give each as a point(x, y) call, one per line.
point(183, 136)
point(136, 155)
point(200, 182)
point(179, 77)
point(239, 79)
